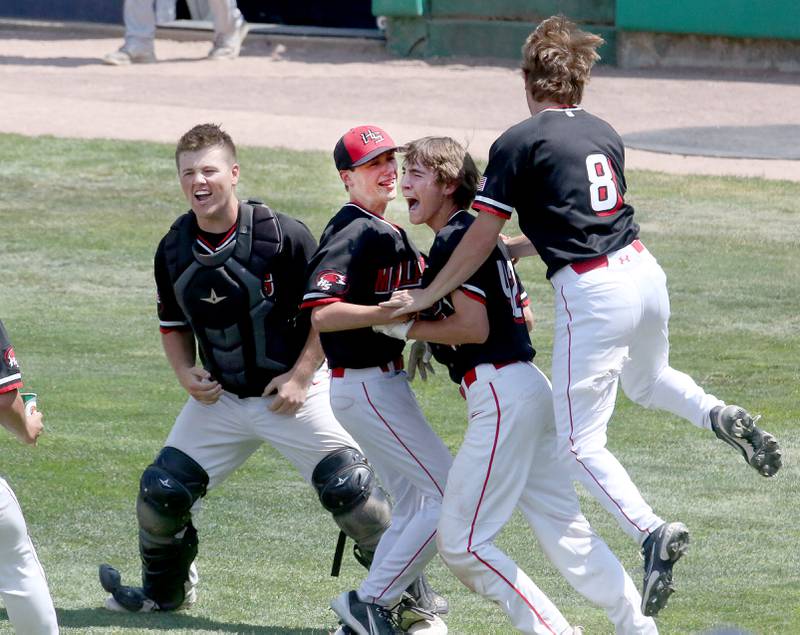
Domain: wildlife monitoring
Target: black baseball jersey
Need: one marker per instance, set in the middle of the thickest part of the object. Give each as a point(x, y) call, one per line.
point(495, 285)
point(10, 375)
point(243, 342)
point(563, 171)
point(362, 258)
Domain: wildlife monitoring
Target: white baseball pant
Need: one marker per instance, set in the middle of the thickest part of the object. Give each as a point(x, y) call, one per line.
point(508, 459)
point(379, 409)
point(222, 436)
point(23, 585)
point(611, 323)
point(140, 18)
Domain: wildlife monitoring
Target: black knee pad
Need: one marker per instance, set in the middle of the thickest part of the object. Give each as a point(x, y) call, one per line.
point(167, 490)
point(347, 487)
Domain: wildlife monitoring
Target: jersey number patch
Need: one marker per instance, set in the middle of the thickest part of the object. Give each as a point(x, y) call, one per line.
point(511, 289)
point(604, 194)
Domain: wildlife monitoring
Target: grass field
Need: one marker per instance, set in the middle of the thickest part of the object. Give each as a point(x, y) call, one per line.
point(81, 220)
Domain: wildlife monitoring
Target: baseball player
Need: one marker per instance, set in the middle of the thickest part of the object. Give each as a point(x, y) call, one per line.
point(563, 170)
point(508, 457)
point(230, 276)
point(361, 259)
point(142, 16)
point(23, 585)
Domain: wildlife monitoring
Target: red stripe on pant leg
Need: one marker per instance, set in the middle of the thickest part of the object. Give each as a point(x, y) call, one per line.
point(403, 570)
point(477, 510)
point(396, 436)
point(571, 422)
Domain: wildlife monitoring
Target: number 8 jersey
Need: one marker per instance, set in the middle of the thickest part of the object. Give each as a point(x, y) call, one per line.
point(563, 171)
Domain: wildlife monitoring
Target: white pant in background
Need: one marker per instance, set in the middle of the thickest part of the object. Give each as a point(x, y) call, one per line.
point(23, 585)
point(140, 20)
point(379, 409)
point(508, 459)
point(611, 323)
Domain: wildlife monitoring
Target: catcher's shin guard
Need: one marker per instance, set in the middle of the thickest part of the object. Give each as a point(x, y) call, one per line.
point(167, 539)
point(347, 488)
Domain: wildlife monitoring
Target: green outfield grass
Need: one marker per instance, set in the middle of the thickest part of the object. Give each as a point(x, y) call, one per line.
point(80, 222)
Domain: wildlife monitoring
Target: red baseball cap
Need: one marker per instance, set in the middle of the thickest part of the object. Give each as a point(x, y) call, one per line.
point(361, 144)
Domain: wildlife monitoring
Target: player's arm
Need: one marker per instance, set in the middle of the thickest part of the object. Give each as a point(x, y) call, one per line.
point(528, 315)
point(177, 338)
point(520, 247)
point(345, 316)
point(291, 388)
point(179, 347)
point(472, 251)
point(468, 325)
point(13, 418)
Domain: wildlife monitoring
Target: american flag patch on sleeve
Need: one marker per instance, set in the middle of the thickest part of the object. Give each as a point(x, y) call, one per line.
point(481, 183)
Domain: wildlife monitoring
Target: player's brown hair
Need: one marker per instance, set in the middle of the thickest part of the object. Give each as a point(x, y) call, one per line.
point(451, 163)
point(557, 59)
point(204, 135)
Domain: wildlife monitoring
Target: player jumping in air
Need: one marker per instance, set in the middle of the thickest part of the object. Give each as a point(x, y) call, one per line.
point(562, 169)
point(508, 458)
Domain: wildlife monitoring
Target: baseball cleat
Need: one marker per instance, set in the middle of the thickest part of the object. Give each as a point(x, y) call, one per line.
point(408, 613)
point(662, 549)
point(129, 599)
point(738, 428)
point(229, 48)
point(124, 57)
point(364, 618)
point(421, 592)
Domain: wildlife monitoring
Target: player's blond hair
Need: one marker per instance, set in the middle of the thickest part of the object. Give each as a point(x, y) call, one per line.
point(557, 59)
point(451, 163)
point(202, 136)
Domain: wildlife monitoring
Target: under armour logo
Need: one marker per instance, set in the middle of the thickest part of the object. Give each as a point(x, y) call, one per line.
point(214, 298)
point(624, 259)
point(165, 483)
point(371, 135)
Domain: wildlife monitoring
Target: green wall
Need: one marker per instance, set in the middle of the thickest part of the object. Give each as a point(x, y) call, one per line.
point(733, 18)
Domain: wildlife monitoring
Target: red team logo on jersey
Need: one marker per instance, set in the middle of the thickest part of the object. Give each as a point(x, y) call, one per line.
point(330, 280)
point(10, 358)
point(269, 285)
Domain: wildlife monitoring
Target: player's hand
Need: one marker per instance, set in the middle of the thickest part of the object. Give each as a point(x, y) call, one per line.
point(34, 427)
point(407, 301)
point(419, 358)
point(289, 394)
point(505, 239)
point(200, 385)
point(397, 330)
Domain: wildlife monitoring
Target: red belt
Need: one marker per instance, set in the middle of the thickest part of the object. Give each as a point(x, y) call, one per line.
point(585, 266)
point(395, 365)
point(470, 377)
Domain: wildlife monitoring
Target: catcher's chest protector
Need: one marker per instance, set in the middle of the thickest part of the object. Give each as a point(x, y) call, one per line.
point(222, 295)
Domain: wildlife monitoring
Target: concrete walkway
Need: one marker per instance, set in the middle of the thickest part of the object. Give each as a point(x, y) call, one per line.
point(303, 93)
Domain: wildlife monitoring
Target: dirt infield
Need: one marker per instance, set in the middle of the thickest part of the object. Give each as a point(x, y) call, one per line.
point(303, 93)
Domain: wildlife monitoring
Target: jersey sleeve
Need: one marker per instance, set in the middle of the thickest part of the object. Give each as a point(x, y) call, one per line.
point(497, 187)
point(329, 270)
point(10, 374)
point(170, 315)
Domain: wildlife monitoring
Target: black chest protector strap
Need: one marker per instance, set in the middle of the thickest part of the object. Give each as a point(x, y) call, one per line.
point(235, 261)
